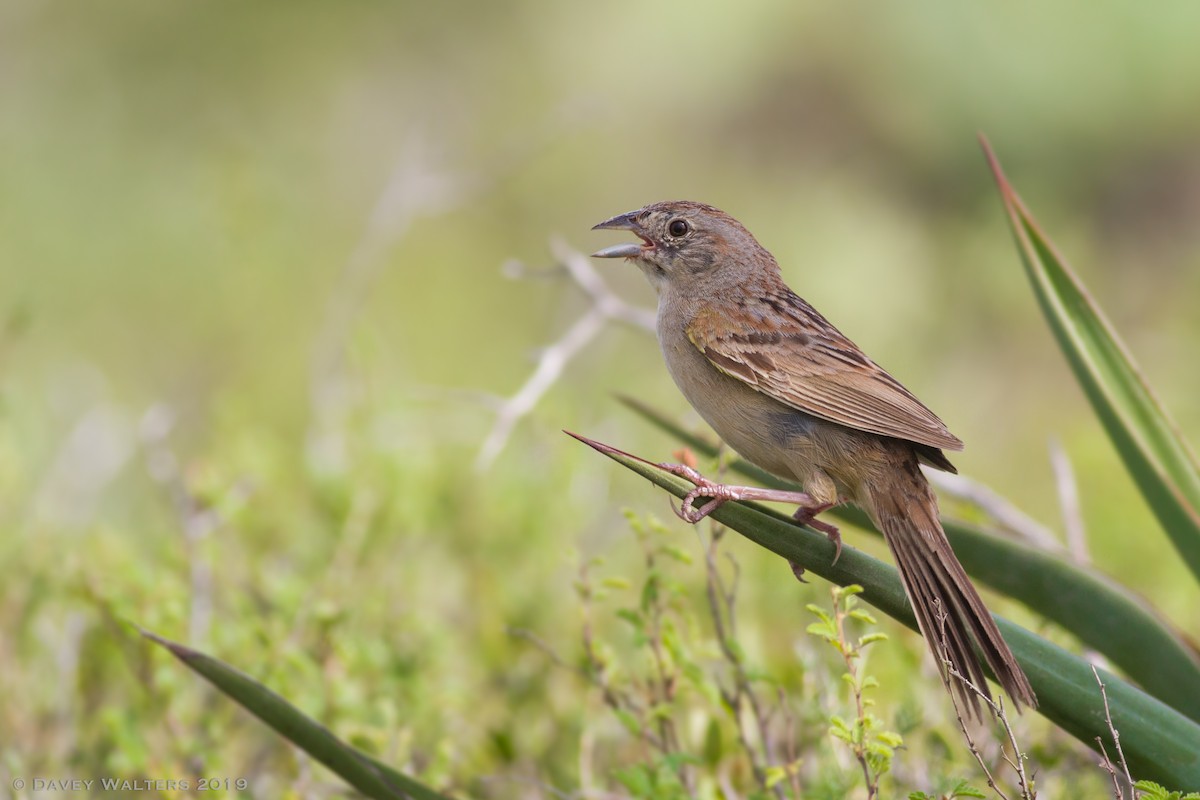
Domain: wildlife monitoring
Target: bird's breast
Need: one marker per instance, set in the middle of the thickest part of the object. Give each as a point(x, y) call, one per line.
point(766, 432)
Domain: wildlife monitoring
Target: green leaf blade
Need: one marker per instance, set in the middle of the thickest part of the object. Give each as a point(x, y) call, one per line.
point(1151, 447)
point(364, 773)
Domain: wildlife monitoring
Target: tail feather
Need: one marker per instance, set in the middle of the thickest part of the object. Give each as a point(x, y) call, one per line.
point(946, 605)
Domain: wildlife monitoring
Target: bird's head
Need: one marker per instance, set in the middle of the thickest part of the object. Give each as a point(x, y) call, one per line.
point(685, 244)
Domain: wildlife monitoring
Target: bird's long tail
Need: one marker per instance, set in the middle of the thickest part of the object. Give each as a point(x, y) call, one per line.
point(906, 510)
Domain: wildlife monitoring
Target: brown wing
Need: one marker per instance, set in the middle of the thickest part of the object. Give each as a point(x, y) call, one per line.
point(809, 365)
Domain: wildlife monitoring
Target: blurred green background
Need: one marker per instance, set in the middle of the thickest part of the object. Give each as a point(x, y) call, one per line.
point(253, 327)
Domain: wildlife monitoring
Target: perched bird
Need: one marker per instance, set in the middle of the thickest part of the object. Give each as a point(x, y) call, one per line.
point(789, 392)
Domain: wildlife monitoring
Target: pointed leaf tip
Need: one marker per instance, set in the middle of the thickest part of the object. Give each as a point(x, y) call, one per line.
point(1006, 190)
point(182, 652)
point(607, 449)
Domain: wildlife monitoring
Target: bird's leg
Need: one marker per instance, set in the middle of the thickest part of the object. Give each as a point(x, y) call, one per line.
point(807, 515)
point(722, 493)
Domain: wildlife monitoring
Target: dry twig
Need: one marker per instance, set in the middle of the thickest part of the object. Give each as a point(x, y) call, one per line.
point(605, 307)
point(1017, 760)
point(1107, 763)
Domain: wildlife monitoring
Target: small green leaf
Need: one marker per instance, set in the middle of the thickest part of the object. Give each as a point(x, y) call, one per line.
point(659, 711)
point(650, 591)
point(678, 554)
point(634, 618)
point(863, 617)
point(637, 780)
point(822, 630)
point(964, 789)
point(629, 721)
point(674, 761)
point(890, 738)
point(1151, 790)
point(779, 773)
point(775, 775)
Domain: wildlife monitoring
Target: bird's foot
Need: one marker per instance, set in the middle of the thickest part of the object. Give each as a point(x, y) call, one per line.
point(720, 493)
point(807, 515)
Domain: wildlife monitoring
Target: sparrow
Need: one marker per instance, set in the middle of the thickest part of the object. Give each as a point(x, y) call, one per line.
point(789, 392)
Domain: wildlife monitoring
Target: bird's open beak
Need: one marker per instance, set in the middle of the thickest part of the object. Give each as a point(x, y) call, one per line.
point(626, 222)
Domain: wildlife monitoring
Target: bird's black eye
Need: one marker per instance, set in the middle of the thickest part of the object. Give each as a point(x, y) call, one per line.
point(678, 227)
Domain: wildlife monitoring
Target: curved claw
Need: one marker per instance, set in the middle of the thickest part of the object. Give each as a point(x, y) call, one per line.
point(807, 515)
point(688, 511)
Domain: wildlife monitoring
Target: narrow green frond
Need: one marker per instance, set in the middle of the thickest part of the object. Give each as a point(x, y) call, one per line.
point(356, 768)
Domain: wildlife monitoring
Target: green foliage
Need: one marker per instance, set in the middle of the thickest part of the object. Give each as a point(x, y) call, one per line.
point(657, 780)
point(1149, 790)
point(678, 677)
point(962, 789)
point(872, 744)
point(676, 671)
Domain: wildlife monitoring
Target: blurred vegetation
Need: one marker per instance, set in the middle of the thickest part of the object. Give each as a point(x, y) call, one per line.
point(253, 319)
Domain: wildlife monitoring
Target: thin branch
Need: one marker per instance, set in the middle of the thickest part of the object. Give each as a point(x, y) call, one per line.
point(1116, 739)
point(851, 655)
point(605, 307)
point(1107, 765)
point(545, 647)
point(580, 268)
point(1017, 761)
point(551, 363)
